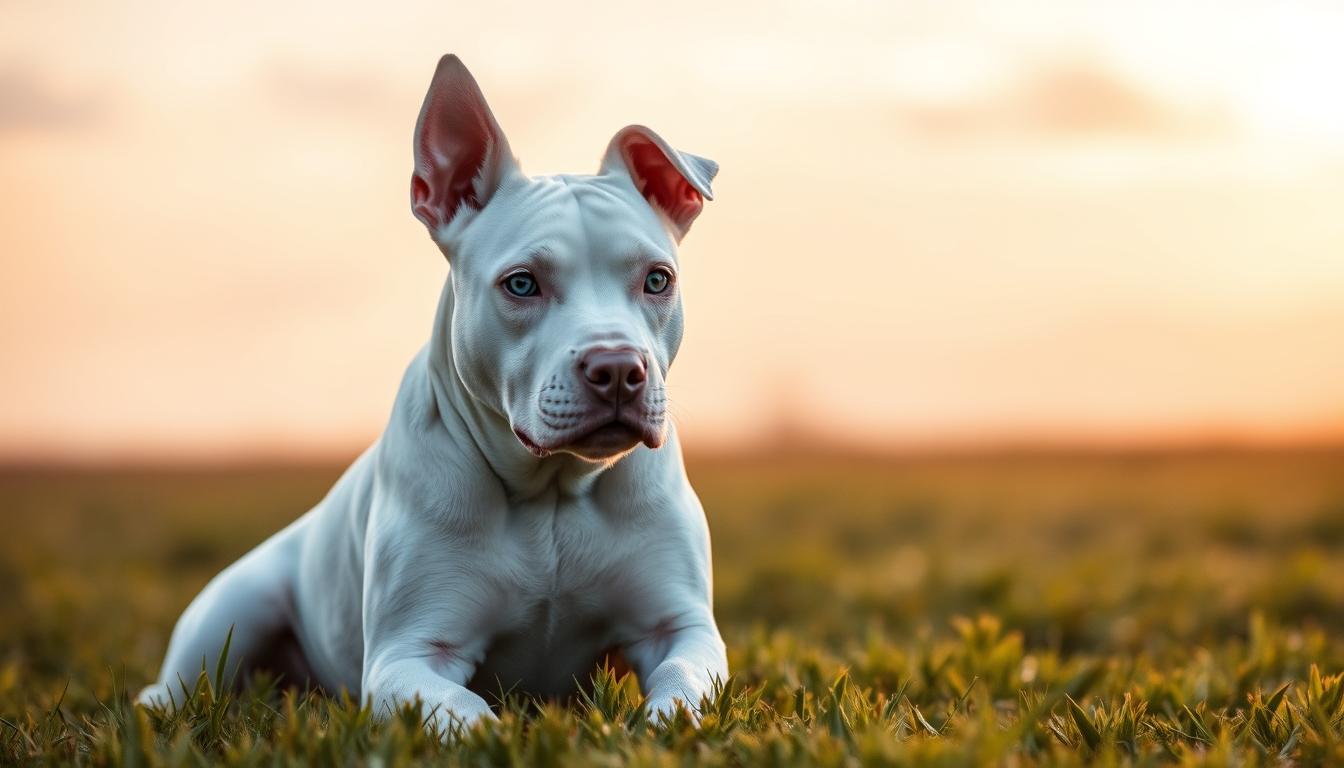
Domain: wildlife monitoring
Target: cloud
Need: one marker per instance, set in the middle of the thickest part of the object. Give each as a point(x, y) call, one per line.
point(1063, 101)
point(30, 103)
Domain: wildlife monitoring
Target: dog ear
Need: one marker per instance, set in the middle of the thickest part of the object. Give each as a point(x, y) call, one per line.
point(461, 155)
point(676, 184)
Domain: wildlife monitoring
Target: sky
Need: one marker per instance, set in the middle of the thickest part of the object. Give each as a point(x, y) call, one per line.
point(935, 222)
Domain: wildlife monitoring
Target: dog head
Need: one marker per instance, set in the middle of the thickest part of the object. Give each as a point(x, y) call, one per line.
point(566, 309)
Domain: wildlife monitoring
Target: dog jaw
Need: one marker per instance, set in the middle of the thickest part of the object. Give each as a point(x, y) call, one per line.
point(602, 438)
point(564, 420)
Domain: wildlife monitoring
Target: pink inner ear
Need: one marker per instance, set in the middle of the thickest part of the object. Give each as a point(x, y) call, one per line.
point(451, 152)
point(659, 181)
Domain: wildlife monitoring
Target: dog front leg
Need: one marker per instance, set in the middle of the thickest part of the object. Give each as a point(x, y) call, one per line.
point(437, 679)
point(679, 662)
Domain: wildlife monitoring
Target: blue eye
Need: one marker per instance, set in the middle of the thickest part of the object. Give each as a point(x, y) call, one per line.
point(521, 284)
point(657, 281)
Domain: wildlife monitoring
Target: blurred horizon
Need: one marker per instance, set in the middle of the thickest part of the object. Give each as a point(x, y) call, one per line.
point(1085, 225)
point(818, 450)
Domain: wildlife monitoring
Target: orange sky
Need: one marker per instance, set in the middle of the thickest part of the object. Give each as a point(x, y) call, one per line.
point(1109, 221)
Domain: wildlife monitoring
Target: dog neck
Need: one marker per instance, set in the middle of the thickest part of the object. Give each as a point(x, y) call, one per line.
point(523, 475)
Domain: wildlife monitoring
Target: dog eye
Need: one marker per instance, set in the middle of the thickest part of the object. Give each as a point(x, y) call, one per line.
point(521, 284)
point(657, 281)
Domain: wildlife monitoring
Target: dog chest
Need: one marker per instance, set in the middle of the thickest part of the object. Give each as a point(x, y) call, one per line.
point(560, 606)
point(562, 562)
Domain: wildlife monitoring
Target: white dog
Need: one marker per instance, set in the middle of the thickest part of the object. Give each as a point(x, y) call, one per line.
point(526, 509)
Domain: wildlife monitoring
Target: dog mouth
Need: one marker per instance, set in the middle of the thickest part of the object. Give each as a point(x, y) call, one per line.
point(601, 441)
point(609, 439)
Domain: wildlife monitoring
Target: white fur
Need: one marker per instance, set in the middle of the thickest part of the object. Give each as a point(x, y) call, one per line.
point(449, 553)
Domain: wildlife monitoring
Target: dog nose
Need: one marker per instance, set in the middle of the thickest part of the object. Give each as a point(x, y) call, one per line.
point(615, 375)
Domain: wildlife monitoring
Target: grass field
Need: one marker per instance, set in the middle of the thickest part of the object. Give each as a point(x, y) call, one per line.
point(1145, 608)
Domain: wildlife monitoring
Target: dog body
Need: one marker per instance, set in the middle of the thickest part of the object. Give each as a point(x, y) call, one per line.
point(526, 509)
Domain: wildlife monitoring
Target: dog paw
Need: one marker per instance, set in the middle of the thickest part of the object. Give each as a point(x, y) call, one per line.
point(666, 707)
point(156, 695)
point(454, 714)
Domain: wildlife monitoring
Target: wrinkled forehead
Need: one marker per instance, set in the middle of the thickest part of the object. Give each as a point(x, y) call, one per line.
point(593, 218)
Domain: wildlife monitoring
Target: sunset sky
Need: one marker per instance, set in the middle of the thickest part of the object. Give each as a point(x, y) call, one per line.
point(935, 222)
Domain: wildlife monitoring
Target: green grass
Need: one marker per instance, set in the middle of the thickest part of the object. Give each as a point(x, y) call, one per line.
point(1023, 609)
